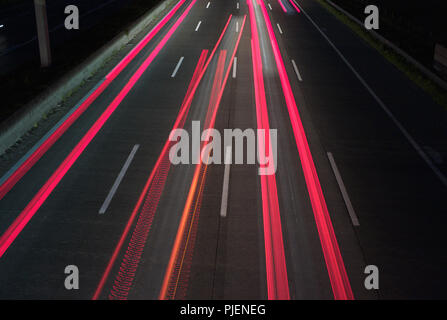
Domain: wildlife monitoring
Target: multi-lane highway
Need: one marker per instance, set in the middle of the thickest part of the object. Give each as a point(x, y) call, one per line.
point(360, 179)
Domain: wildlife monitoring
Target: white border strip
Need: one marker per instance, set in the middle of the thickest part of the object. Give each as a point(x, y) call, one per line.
point(179, 63)
point(296, 70)
point(198, 26)
point(226, 182)
point(118, 180)
point(279, 28)
point(344, 193)
point(234, 67)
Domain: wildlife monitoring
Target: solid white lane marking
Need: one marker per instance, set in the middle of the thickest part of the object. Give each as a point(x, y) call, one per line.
point(208, 5)
point(120, 177)
point(237, 5)
point(198, 26)
point(406, 134)
point(296, 71)
point(270, 7)
point(344, 192)
point(224, 204)
point(279, 28)
point(234, 67)
point(237, 26)
point(177, 67)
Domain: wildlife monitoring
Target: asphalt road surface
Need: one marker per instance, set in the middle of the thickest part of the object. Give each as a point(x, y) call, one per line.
point(360, 179)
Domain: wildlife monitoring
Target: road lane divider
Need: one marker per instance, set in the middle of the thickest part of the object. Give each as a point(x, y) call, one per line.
point(177, 67)
point(279, 28)
point(295, 6)
point(14, 175)
point(118, 180)
point(198, 26)
point(164, 153)
point(297, 72)
point(234, 67)
point(338, 277)
point(344, 192)
point(208, 5)
point(226, 182)
point(282, 6)
point(25, 216)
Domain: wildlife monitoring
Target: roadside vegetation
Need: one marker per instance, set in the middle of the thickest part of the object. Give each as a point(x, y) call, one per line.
point(438, 94)
point(29, 80)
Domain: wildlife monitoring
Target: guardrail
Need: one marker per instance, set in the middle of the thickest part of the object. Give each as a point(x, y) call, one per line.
point(24, 119)
point(429, 74)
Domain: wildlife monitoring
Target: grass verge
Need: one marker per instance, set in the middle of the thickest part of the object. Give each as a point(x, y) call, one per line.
point(437, 93)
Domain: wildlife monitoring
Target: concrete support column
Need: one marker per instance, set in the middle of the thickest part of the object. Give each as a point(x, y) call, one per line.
point(42, 32)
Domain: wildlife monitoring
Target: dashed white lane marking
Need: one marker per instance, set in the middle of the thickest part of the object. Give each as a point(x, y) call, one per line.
point(224, 204)
point(234, 67)
point(117, 182)
point(279, 28)
point(179, 63)
point(237, 26)
point(296, 71)
point(237, 6)
point(344, 193)
point(198, 26)
point(397, 123)
point(208, 5)
point(270, 7)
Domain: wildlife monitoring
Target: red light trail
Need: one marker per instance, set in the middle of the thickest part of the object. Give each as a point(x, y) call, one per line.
point(282, 6)
point(163, 154)
point(25, 216)
point(275, 260)
point(341, 286)
point(295, 6)
point(46, 145)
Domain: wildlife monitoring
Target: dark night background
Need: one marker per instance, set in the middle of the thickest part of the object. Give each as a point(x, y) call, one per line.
point(414, 26)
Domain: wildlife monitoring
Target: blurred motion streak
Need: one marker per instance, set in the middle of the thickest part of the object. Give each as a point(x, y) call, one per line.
point(341, 286)
point(25, 216)
point(126, 274)
point(275, 260)
point(282, 6)
point(29, 162)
